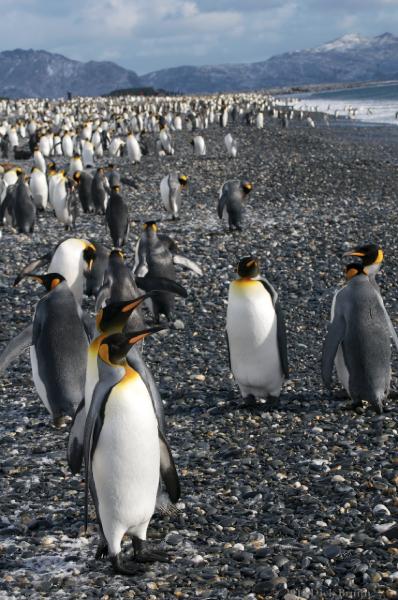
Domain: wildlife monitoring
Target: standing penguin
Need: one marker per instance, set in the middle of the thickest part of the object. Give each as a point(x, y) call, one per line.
point(59, 348)
point(133, 148)
point(117, 218)
point(372, 256)
point(67, 145)
point(24, 208)
point(38, 188)
point(112, 318)
point(88, 154)
point(84, 181)
point(230, 201)
point(256, 334)
point(39, 161)
point(163, 145)
point(358, 337)
point(124, 453)
point(199, 145)
point(64, 200)
point(75, 165)
point(100, 191)
point(170, 191)
point(231, 146)
point(72, 258)
point(154, 269)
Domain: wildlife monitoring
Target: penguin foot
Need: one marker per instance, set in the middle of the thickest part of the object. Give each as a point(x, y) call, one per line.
point(146, 557)
point(357, 406)
point(249, 402)
point(61, 421)
point(272, 403)
point(119, 569)
point(340, 395)
point(102, 550)
point(150, 557)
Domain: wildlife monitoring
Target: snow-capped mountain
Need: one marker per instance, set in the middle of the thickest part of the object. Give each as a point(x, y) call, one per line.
point(37, 73)
point(29, 73)
point(349, 58)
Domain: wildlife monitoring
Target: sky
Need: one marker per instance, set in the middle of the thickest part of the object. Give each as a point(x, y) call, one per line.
point(147, 35)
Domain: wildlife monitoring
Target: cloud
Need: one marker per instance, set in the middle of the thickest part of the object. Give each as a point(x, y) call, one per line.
point(147, 35)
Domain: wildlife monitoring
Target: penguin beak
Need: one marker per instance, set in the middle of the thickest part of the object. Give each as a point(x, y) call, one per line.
point(137, 336)
point(354, 252)
point(130, 306)
point(37, 277)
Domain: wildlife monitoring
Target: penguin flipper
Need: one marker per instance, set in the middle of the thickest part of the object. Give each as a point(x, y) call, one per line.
point(169, 242)
point(135, 360)
point(282, 338)
point(221, 203)
point(102, 297)
point(186, 262)
point(161, 284)
point(280, 326)
point(334, 337)
point(168, 470)
point(76, 439)
point(15, 347)
point(229, 351)
point(89, 326)
point(33, 266)
point(391, 328)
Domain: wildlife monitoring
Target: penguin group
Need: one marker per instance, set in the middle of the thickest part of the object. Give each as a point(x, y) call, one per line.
point(91, 374)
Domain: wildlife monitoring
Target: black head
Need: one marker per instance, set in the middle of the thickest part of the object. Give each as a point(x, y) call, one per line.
point(248, 266)
point(114, 348)
point(183, 179)
point(117, 314)
point(116, 255)
point(370, 254)
point(246, 186)
point(150, 226)
point(50, 280)
point(89, 254)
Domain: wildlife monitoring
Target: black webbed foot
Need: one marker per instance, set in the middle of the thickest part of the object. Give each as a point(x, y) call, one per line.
point(120, 569)
point(146, 557)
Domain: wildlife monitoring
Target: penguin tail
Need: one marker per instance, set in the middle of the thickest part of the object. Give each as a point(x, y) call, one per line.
point(164, 506)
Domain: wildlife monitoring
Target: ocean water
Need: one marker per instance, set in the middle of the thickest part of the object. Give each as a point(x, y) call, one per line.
point(373, 103)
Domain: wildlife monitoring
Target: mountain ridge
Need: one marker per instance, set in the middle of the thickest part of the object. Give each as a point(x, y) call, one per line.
point(349, 58)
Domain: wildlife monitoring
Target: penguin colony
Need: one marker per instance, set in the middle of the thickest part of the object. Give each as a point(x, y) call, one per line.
point(90, 373)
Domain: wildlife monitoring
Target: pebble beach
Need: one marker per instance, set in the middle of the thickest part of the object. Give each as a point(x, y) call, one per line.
point(276, 504)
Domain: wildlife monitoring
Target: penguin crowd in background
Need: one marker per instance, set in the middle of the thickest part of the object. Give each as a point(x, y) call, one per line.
point(91, 374)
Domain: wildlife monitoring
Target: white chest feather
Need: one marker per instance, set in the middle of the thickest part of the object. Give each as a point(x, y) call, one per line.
point(252, 336)
point(126, 461)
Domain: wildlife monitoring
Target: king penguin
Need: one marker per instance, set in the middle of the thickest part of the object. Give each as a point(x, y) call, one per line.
point(117, 218)
point(154, 269)
point(112, 318)
point(230, 201)
point(124, 453)
point(170, 190)
point(256, 334)
point(24, 208)
point(58, 352)
point(72, 258)
point(358, 338)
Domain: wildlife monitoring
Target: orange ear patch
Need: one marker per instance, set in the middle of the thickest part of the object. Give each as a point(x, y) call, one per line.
point(55, 282)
